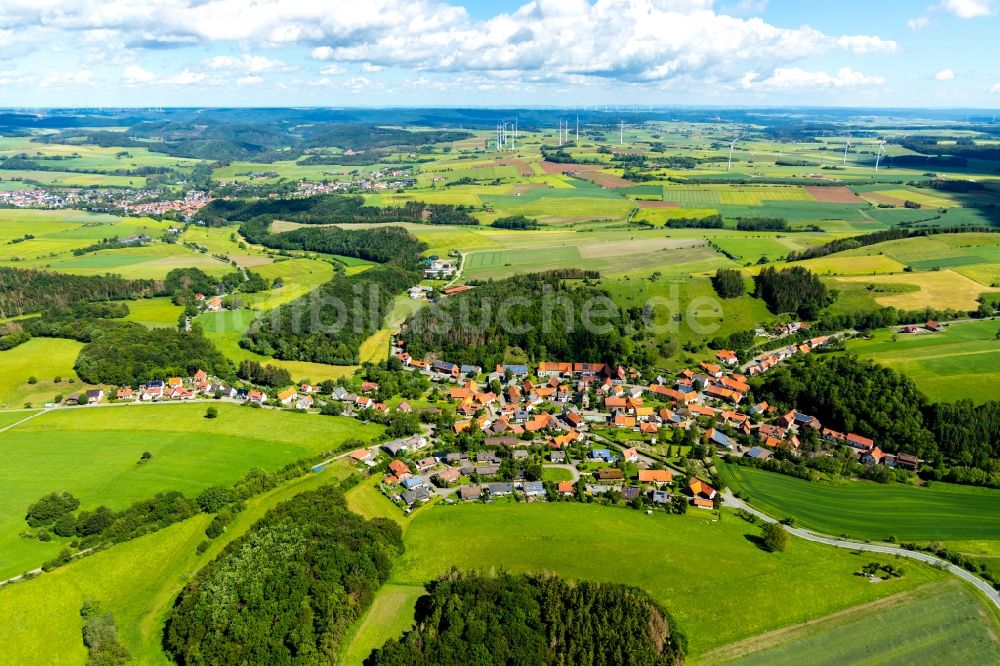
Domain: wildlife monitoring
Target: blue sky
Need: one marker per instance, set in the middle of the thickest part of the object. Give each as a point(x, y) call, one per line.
point(935, 53)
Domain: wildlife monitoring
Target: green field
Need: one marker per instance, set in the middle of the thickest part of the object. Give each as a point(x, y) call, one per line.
point(154, 312)
point(864, 510)
point(92, 453)
point(692, 564)
point(42, 358)
point(958, 363)
point(137, 581)
point(935, 624)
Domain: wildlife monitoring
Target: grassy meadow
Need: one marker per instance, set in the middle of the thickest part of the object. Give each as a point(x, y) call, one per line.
point(866, 510)
point(92, 452)
point(683, 561)
point(942, 623)
point(137, 581)
point(959, 363)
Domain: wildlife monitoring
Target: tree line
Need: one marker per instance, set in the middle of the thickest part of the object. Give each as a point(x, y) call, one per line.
point(23, 291)
point(329, 325)
point(794, 290)
point(959, 441)
point(470, 618)
point(546, 323)
point(288, 590)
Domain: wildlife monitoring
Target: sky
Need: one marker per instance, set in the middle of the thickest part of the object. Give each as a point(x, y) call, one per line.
point(567, 53)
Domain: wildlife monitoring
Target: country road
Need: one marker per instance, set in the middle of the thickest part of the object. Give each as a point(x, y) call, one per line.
point(728, 499)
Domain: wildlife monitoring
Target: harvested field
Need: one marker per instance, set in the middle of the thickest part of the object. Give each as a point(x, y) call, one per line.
point(881, 198)
point(833, 194)
point(557, 167)
point(627, 247)
point(523, 166)
point(659, 204)
point(605, 179)
point(937, 289)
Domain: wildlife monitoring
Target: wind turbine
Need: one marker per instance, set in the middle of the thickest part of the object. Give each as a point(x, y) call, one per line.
point(878, 157)
point(621, 135)
point(578, 129)
point(847, 147)
point(731, 146)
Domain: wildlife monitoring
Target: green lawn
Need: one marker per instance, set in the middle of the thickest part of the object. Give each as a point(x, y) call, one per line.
point(555, 474)
point(92, 452)
point(936, 624)
point(718, 584)
point(864, 510)
point(137, 581)
point(962, 362)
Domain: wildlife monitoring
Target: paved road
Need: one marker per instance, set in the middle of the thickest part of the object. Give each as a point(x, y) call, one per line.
point(729, 500)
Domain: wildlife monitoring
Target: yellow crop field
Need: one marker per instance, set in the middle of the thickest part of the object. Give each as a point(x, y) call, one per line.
point(937, 289)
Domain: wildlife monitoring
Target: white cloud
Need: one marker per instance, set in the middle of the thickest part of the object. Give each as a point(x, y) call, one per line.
point(134, 74)
point(332, 70)
point(185, 78)
point(247, 63)
point(369, 68)
point(542, 40)
point(918, 23)
point(784, 78)
point(995, 89)
point(945, 75)
point(968, 9)
point(60, 79)
point(249, 80)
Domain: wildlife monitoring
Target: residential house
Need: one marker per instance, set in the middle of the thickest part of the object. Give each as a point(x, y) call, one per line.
point(419, 494)
point(727, 356)
point(200, 376)
point(499, 489)
point(630, 455)
point(427, 463)
point(412, 482)
point(630, 493)
point(699, 488)
point(703, 503)
point(759, 453)
point(565, 488)
point(361, 455)
point(660, 497)
point(470, 492)
point(557, 456)
point(448, 476)
point(399, 468)
point(656, 477)
point(609, 474)
point(95, 395)
point(124, 393)
point(718, 438)
point(287, 396)
point(534, 489)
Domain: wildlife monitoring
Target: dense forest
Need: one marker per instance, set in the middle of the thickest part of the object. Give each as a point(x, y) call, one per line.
point(793, 290)
point(24, 291)
point(127, 354)
point(728, 283)
point(534, 317)
point(379, 244)
point(319, 209)
point(543, 620)
point(287, 591)
point(517, 222)
point(329, 324)
point(860, 396)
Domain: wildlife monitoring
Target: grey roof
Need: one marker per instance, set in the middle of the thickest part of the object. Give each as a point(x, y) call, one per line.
point(500, 488)
point(416, 495)
point(534, 487)
point(470, 492)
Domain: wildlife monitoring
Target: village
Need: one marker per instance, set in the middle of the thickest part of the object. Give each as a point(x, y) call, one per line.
point(551, 431)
